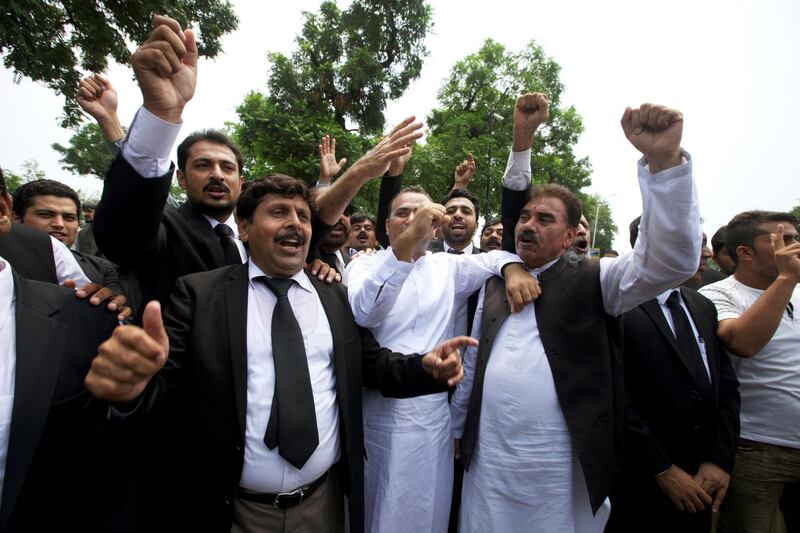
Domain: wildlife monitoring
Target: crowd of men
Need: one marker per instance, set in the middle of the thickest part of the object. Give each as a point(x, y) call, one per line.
point(256, 359)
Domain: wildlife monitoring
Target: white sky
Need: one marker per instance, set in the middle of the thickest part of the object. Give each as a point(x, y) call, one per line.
point(730, 66)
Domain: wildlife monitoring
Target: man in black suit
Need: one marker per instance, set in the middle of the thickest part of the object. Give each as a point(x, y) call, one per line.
point(682, 419)
point(54, 460)
point(221, 373)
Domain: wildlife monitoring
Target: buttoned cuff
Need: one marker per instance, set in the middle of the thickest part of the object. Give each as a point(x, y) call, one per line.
point(148, 144)
point(518, 171)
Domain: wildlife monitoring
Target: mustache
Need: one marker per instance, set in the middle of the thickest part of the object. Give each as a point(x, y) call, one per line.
point(289, 234)
point(216, 183)
point(494, 240)
point(528, 235)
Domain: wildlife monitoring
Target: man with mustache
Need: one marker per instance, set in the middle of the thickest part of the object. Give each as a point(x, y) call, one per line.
point(492, 235)
point(540, 407)
point(332, 249)
point(362, 233)
point(582, 238)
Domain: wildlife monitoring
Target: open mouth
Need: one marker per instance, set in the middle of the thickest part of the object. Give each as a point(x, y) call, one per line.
point(58, 235)
point(362, 237)
point(216, 190)
point(290, 242)
point(457, 227)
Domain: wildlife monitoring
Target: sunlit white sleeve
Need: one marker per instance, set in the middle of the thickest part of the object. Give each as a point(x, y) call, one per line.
point(67, 266)
point(148, 144)
point(667, 251)
point(459, 404)
point(518, 171)
point(373, 284)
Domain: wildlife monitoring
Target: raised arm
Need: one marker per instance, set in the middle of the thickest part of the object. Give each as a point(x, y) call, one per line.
point(98, 97)
point(463, 173)
point(530, 112)
point(333, 200)
point(328, 167)
point(667, 250)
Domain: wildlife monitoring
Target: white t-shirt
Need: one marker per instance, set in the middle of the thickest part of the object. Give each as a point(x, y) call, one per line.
point(769, 381)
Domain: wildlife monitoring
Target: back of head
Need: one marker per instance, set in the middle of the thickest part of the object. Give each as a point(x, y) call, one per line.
point(633, 230)
point(743, 229)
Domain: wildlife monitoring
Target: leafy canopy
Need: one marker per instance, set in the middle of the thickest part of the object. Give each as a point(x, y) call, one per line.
point(49, 41)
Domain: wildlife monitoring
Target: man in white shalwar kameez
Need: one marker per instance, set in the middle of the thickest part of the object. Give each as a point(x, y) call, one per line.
point(524, 472)
point(408, 299)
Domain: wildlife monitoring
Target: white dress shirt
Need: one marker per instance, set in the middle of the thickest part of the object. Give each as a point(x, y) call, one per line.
point(8, 361)
point(264, 469)
point(467, 250)
point(231, 223)
point(523, 439)
point(701, 345)
point(67, 266)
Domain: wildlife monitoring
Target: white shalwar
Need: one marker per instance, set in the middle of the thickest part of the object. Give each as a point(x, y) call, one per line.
point(409, 307)
point(524, 475)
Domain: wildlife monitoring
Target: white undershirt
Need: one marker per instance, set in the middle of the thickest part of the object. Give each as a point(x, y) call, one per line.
point(264, 469)
point(8, 361)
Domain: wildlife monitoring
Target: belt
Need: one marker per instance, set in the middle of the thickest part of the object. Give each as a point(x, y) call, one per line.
point(283, 500)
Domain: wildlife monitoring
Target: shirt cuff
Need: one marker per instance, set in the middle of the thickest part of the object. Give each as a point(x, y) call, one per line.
point(148, 144)
point(667, 174)
point(518, 171)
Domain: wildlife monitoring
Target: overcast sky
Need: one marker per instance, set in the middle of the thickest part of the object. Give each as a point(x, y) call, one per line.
point(730, 66)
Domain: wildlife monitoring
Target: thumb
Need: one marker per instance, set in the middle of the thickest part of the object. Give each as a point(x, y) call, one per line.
point(342, 161)
point(153, 324)
point(70, 283)
point(777, 238)
point(625, 121)
point(190, 58)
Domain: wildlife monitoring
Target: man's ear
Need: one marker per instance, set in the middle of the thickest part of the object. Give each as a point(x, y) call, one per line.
point(5, 213)
point(745, 253)
point(569, 236)
point(241, 223)
point(181, 179)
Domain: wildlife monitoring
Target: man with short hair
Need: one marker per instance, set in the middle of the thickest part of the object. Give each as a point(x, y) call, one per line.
point(540, 407)
point(492, 235)
point(463, 209)
point(362, 233)
point(53, 207)
point(582, 238)
point(332, 249)
point(757, 324)
point(270, 425)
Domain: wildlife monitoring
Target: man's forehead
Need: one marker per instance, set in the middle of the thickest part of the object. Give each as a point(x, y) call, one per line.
point(460, 201)
point(771, 227)
point(55, 203)
point(364, 224)
point(546, 204)
point(297, 201)
point(494, 227)
point(210, 150)
point(410, 199)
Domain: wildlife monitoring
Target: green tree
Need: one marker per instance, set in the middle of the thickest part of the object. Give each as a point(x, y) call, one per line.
point(347, 65)
point(475, 114)
point(796, 211)
point(86, 153)
point(48, 41)
point(30, 172)
point(603, 234)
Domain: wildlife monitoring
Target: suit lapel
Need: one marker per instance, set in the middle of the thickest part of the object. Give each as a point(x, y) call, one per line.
point(235, 290)
point(40, 347)
point(333, 312)
point(202, 229)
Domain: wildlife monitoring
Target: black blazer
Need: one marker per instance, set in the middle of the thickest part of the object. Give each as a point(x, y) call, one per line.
point(669, 420)
point(207, 369)
point(30, 252)
point(57, 474)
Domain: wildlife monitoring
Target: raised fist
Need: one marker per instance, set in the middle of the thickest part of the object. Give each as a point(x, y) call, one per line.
point(655, 130)
point(531, 111)
point(464, 172)
point(97, 97)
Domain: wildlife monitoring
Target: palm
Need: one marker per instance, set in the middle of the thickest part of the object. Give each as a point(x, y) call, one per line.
point(328, 165)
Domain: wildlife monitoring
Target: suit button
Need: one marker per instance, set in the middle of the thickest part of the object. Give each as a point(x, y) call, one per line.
point(694, 395)
point(695, 429)
point(238, 449)
point(227, 503)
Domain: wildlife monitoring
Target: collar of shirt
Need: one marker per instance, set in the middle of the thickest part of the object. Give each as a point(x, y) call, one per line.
point(230, 222)
point(467, 250)
point(662, 298)
point(300, 276)
point(6, 291)
point(538, 270)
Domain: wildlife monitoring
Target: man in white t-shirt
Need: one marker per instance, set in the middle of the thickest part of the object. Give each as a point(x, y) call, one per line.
point(756, 308)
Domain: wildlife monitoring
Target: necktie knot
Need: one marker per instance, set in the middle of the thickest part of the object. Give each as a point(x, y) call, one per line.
point(673, 300)
point(278, 286)
point(455, 252)
point(223, 230)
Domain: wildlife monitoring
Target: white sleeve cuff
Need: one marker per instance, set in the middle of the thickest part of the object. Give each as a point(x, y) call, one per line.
point(518, 171)
point(148, 144)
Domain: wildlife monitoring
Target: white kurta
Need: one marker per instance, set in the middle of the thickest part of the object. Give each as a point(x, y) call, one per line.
point(409, 307)
point(524, 474)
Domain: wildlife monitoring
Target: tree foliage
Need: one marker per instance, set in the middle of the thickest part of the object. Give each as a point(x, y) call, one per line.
point(347, 65)
point(30, 172)
point(86, 153)
point(796, 211)
point(605, 230)
point(49, 41)
point(475, 114)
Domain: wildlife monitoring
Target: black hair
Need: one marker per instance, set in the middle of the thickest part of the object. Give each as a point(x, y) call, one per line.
point(25, 194)
point(574, 208)
point(279, 184)
point(213, 136)
point(464, 193)
point(743, 229)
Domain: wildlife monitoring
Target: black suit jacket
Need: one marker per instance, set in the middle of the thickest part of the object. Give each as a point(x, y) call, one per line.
point(57, 473)
point(31, 252)
point(207, 371)
point(669, 419)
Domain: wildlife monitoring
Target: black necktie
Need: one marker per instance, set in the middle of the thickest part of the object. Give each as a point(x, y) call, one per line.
point(229, 248)
point(455, 252)
point(687, 343)
point(292, 425)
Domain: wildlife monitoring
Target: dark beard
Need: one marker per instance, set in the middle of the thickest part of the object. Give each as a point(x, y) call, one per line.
point(212, 211)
